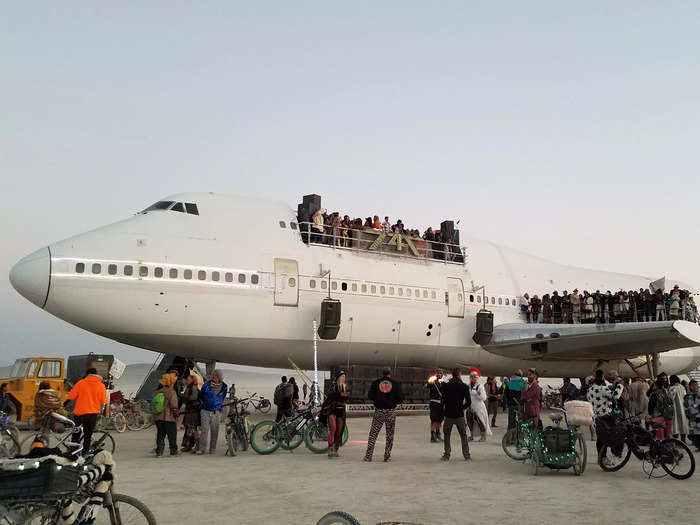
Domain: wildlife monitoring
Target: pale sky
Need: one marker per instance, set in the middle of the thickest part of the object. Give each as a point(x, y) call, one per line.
point(567, 132)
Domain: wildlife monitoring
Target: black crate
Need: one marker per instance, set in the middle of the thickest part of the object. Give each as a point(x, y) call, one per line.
point(44, 482)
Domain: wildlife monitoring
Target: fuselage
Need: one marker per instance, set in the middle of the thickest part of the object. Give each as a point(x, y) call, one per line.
point(235, 283)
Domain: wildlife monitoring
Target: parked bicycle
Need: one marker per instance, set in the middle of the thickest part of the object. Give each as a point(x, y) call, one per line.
point(259, 403)
point(556, 447)
point(136, 418)
point(517, 440)
point(56, 430)
point(39, 491)
point(9, 437)
point(625, 436)
point(552, 398)
point(237, 436)
point(115, 421)
point(306, 426)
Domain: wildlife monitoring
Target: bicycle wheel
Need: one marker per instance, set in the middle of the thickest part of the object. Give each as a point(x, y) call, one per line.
point(242, 432)
point(135, 421)
point(264, 406)
point(338, 518)
point(105, 440)
point(581, 450)
point(316, 437)
point(119, 422)
point(295, 438)
point(231, 442)
point(42, 516)
point(265, 438)
point(125, 510)
point(683, 465)
point(579, 466)
point(611, 462)
point(516, 444)
point(9, 446)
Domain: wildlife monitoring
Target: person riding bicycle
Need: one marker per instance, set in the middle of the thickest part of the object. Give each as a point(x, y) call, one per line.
point(90, 396)
point(46, 401)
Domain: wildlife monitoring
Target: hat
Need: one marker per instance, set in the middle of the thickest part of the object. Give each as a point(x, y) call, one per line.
point(167, 380)
point(386, 371)
point(340, 373)
point(474, 370)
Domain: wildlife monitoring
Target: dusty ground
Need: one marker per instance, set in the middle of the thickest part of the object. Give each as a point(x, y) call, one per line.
point(299, 487)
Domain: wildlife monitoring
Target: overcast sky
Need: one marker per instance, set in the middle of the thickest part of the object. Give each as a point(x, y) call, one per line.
point(568, 132)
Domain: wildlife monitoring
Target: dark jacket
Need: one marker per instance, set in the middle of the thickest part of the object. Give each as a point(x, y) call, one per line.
point(386, 393)
point(455, 398)
point(512, 391)
point(209, 400)
point(6, 405)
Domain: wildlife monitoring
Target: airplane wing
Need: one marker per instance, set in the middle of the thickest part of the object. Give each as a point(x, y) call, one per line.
point(589, 341)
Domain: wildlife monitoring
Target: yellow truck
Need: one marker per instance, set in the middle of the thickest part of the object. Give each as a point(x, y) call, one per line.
point(27, 373)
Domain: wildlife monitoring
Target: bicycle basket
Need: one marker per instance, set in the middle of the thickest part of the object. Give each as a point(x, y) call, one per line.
point(35, 479)
point(640, 436)
point(610, 432)
point(557, 440)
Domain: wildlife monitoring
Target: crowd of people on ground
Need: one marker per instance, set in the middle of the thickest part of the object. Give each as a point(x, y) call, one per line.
point(331, 229)
point(619, 307)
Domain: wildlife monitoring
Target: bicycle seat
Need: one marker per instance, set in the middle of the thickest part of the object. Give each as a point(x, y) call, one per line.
point(62, 419)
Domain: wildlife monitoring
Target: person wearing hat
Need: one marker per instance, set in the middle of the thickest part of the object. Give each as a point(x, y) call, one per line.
point(455, 400)
point(192, 417)
point(511, 395)
point(530, 397)
point(386, 394)
point(334, 409)
point(165, 420)
point(477, 412)
point(435, 386)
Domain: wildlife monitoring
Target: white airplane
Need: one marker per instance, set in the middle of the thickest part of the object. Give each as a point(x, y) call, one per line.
point(230, 279)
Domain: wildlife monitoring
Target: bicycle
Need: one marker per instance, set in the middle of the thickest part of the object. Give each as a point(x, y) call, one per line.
point(306, 426)
point(54, 431)
point(624, 437)
point(115, 421)
point(259, 403)
point(39, 491)
point(136, 419)
point(555, 447)
point(9, 437)
point(237, 426)
point(579, 443)
point(516, 441)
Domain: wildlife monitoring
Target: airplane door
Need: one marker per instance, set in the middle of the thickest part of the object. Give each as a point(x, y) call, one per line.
point(455, 297)
point(286, 282)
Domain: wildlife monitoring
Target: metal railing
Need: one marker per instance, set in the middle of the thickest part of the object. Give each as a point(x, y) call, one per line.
point(603, 315)
point(370, 240)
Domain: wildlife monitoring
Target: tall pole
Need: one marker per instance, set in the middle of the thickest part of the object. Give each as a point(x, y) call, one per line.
point(315, 385)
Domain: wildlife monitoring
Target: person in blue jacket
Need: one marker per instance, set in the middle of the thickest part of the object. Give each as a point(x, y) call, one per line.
point(211, 398)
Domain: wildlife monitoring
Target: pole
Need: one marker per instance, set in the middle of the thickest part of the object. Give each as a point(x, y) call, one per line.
point(315, 384)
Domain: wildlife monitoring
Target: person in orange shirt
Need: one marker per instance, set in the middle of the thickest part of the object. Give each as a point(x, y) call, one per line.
point(90, 396)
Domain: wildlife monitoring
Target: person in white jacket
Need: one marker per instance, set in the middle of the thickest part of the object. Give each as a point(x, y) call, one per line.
point(477, 412)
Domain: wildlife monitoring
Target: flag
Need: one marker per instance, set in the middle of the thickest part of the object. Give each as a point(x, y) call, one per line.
point(659, 284)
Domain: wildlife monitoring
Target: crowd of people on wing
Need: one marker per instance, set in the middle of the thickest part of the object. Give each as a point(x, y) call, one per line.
point(609, 307)
point(331, 229)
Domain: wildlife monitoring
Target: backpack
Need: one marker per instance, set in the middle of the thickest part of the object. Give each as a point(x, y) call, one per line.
point(158, 403)
point(665, 407)
point(279, 394)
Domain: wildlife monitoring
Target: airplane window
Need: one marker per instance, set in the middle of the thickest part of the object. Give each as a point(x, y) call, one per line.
point(173, 273)
point(128, 270)
point(282, 224)
point(158, 272)
point(292, 282)
point(334, 285)
point(409, 292)
point(433, 294)
point(374, 289)
point(178, 207)
point(382, 290)
point(160, 205)
point(514, 302)
point(214, 276)
point(80, 268)
point(425, 294)
point(112, 269)
point(229, 277)
point(255, 279)
point(202, 275)
point(507, 301)
point(191, 208)
point(241, 278)
point(493, 300)
point(500, 300)
point(293, 225)
point(364, 288)
point(471, 298)
point(391, 290)
point(344, 287)
point(312, 283)
point(324, 285)
point(417, 292)
point(143, 271)
point(96, 268)
point(354, 287)
point(401, 291)
point(187, 274)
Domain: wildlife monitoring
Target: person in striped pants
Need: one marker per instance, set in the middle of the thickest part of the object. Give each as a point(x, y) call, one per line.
point(386, 394)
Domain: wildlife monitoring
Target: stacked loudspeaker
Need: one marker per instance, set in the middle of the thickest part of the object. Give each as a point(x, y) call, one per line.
point(305, 211)
point(330, 319)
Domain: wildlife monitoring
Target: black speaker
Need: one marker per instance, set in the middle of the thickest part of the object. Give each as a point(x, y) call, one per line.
point(330, 319)
point(484, 327)
point(312, 203)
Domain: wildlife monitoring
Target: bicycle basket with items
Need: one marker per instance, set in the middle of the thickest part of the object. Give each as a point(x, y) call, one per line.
point(611, 432)
point(555, 447)
point(579, 413)
point(40, 478)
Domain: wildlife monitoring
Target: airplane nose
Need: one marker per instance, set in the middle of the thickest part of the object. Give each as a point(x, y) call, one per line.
point(31, 276)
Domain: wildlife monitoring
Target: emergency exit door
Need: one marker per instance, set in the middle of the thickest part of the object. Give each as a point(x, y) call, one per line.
point(286, 282)
point(455, 297)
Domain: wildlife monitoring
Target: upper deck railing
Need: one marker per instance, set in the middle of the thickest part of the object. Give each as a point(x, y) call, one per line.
point(370, 240)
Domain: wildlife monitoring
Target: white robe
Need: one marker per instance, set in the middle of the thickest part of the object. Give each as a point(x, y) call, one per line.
point(680, 421)
point(478, 396)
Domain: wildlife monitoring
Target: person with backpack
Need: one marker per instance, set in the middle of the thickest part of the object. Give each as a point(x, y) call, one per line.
point(283, 399)
point(661, 407)
point(211, 398)
point(165, 409)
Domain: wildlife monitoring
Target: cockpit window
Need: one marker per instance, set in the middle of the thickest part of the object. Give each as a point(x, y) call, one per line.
point(191, 208)
point(160, 205)
point(178, 207)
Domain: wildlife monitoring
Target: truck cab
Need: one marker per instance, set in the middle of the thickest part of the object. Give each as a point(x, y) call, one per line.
point(24, 379)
